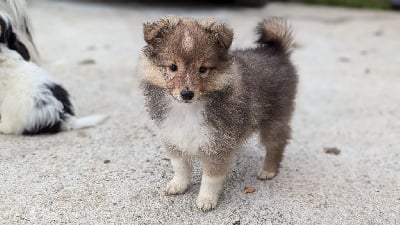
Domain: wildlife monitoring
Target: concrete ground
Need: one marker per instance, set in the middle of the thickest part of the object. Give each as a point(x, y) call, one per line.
point(348, 105)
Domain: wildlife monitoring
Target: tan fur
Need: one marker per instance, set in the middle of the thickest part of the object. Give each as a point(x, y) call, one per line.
point(152, 73)
point(151, 30)
point(187, 39)
point(239, 92)
point(224, 34)
point(187, 42)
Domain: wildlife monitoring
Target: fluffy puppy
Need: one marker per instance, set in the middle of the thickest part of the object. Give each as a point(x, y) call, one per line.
point(207, 100)
point(31, 102)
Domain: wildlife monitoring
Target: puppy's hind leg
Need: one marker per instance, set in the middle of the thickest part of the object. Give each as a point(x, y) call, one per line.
point(274, 138)
point(215, 169)
point(182, 166)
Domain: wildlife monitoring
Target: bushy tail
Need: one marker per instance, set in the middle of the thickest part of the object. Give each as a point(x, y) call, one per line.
point(15, 13)
point(85, 122)
point(275, 33)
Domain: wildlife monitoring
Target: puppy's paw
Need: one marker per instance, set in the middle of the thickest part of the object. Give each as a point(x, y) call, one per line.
point(176, 188)
point(265, 175)
point(206, 203)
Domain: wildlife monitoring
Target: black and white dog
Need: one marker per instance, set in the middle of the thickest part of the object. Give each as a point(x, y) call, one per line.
point(31, 102)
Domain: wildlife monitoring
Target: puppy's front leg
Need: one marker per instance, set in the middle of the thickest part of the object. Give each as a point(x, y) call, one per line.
point(215, 169)
point(182, 166)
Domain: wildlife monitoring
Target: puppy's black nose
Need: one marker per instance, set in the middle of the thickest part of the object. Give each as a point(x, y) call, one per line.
point(187, 94)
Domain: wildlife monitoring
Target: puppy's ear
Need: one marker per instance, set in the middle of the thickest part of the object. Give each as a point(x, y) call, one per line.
point(153, 32)
point(4, 30)
point(223, 34)
point(8, 37)
point(20, 48)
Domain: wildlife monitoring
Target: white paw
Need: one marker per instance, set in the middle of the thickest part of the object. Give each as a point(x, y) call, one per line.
point(265, 175)
point(206, 203)
point(175, 188)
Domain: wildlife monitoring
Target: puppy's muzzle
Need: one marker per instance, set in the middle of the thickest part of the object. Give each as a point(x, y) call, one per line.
point(187, 95)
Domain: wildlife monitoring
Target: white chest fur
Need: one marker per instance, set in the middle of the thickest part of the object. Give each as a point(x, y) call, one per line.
point(184, 127)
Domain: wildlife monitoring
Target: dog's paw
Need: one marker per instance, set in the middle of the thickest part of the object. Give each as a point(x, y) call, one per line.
point(175, 188)
point(265, 175)
point(206, 203)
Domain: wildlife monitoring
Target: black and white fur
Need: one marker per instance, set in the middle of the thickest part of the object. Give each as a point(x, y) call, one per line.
point(31, 102)
point(15, 29)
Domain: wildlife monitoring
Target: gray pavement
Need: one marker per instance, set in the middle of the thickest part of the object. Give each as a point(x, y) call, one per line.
point(349, 95)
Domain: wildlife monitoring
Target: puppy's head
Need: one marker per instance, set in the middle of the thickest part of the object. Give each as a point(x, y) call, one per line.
point(9, 38)
point(192, 56)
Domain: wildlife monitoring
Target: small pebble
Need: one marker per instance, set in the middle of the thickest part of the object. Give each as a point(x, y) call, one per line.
point(248, 190)
point(378, 33)
point(87, 62)
point(332, 150)
point(344, 59)
point(82, 134)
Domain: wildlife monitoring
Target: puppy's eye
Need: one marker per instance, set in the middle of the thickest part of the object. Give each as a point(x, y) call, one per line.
point(202, 69)
point(173, 67)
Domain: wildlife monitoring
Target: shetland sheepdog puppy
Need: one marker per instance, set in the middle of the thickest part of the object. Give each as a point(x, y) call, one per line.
point(206, 100)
